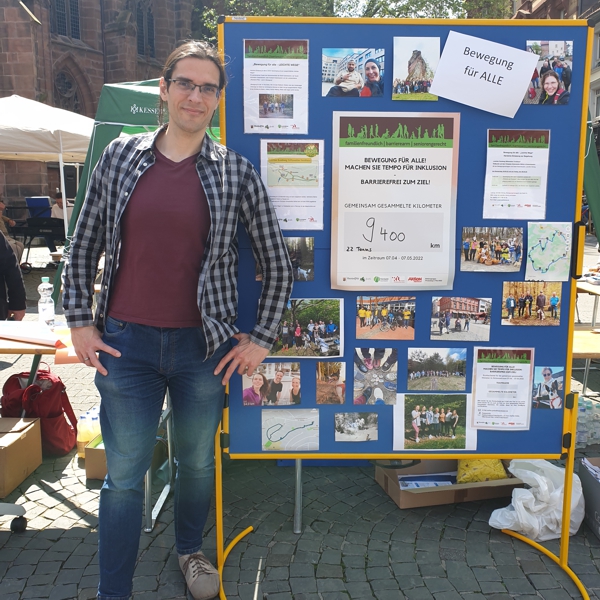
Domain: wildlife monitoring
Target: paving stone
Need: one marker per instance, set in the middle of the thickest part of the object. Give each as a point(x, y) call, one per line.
point(330, 585)
point(302, 570)
point(69, 576)
point(483, 574)
point(326, 571)
point(492, 587)
point(20, 571)
point(352, 575)
point(389, 595)
point(302, 585)
point(437, 584)
point(519, 586)
point(419, 593)
point(63, 592)
point(35, 591)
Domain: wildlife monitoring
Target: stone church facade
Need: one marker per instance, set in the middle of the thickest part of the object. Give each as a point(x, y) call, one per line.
point(61, 52)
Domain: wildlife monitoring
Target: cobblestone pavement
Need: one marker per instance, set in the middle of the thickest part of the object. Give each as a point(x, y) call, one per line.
point(356, 544)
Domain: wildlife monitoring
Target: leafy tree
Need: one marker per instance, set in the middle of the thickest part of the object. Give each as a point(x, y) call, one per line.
point(206, 12)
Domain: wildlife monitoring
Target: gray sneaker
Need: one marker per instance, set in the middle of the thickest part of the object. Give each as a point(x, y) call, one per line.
point(201, 577)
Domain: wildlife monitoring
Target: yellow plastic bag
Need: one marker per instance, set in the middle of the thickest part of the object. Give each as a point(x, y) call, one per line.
point(473, 470)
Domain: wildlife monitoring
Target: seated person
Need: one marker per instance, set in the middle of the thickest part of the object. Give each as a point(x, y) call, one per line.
point(16, 246)
point(57, 213)
point(348, 82)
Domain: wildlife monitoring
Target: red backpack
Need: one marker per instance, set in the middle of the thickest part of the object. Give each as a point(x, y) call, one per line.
point(47, 400)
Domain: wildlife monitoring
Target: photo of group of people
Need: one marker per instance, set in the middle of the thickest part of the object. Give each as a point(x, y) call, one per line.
point(276, 106)
point(531, 303)
point(548, 387)
point(430, 369)
point(356, 427)
point(493, 249)
point(435, 421)
point(385, 317)
point(375, 375)
point(415, 62)
point(461, 318)
point(331, 382)
point(272, 384)
point(310, 327)
point(352, 72)
point(552, 76)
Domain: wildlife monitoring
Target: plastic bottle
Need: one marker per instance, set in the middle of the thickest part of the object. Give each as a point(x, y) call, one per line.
point(46, 303)
point(95, 426)
point(84, 435)
point(581, 438)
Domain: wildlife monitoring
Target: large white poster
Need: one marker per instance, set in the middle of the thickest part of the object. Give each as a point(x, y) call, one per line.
point(516, 174)
point(394, 178)
point(276, 86)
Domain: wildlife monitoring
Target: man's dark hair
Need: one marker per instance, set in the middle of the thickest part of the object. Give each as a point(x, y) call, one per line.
point(191, 49)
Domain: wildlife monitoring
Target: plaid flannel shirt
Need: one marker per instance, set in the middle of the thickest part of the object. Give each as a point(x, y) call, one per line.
point(234, 191)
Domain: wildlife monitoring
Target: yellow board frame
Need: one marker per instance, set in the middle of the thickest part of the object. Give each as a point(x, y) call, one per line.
point(569, 414)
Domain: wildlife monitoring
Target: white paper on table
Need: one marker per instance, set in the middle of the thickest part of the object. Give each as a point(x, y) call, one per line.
point(30, 332)
point(483, 74)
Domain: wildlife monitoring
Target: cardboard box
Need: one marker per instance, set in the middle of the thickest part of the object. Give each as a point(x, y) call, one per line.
point(20, 452)
point(591, 494)
point(95, 459)
point(387, 478)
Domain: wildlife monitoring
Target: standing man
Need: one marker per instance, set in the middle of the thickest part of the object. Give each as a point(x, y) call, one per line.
point(554, 302)
point(540, 303)
point(347, 82)
point(275, 388)
point(166, 322)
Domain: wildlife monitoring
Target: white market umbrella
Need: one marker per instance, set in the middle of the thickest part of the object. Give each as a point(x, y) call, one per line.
point(33, 131)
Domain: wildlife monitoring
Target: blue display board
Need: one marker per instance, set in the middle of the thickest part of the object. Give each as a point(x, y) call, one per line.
point(545, 434)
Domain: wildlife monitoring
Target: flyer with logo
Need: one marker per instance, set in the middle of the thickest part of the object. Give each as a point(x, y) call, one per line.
point(502, 383)
point(293, 174)
point(394, 182)
point(276, 86)
point(516, 174)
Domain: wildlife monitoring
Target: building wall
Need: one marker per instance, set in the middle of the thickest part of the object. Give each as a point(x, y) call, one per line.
point(36, 63)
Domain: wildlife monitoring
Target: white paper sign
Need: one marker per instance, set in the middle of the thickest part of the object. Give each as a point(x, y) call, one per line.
point(483, 74)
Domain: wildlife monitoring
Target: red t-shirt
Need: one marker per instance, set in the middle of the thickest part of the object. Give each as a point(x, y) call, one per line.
point(164, 230)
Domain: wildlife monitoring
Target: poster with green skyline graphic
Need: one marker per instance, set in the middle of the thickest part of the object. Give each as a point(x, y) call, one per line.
point(394, 178)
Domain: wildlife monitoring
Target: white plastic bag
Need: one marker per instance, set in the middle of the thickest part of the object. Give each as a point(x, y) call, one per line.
point(537, 512)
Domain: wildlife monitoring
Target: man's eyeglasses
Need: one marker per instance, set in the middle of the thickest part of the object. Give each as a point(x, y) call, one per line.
point(206, 89)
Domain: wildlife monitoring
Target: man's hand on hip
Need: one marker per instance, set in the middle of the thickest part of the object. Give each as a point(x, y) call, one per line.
point(87, 341)
point(245, 356)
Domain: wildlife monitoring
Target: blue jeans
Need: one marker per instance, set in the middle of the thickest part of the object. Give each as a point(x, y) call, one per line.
point(152, 361)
